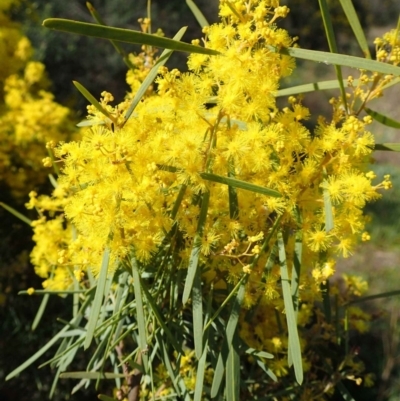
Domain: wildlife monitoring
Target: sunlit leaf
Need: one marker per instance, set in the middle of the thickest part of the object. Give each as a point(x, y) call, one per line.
point(195, 253)
point(16, 214)
point(40, 312)
point(165, 55)
point(355, 24)
point(340, 59)
point(93, 100)
point(201, 19)
point(239, 184)
point(395, 147)
point(382, 118)
point(98, 298)
point(312, 87)
point(123, 35)
point(294, 341)
point(140, 311)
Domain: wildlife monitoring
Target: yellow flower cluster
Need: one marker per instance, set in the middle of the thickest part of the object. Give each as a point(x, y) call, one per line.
point(29, 116)
point(132, 185)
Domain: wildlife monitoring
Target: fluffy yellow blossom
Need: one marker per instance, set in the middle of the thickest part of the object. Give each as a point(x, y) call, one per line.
point(156, 186)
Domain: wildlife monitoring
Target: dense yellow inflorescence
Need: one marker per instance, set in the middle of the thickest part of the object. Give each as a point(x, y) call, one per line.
point(120, 183)
point(29, 115)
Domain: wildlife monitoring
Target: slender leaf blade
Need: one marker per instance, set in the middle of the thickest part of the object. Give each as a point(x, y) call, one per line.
point(239, 184)
point(160, 320)
point(394, 147)
point(195, 254)
point(329, 224)
point(330, 35)
point(229, 335)
point(374, 296)
point(312, 87)
point(197, 306)
point(90, 375)
point(36, 355)
point(341, 59)
point(123, 35)
point(139, 311)
point(201, 19)
point(165, 55)
point(98, 299)
point(96, 16)
point(389, 122)
point(294, 341)
point(355, 24)
point(201, 368)
point(233, 375)
point(91, 99)
point(40, 311)
point(16, 213)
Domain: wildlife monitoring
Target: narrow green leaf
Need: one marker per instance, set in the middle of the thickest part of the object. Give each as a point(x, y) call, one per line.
point(37, 355)
point(330, 35)
point(178, 201)
point(54, 384)
point(340, 59)
point(229, 335)
point(232, 386)
point(140, 311)
point(201, 368)
point(260, 354)
point(295, 277)
point(40, 312)
point(232, 193)
point(53, 181)
point(226, 300)
point(312, 87)
point(38, 292)
point(16, 214)
point(268, 371)
point(165, 358)
point(160, 320)
point(195, 254)
point(294, 341)
point(96, 16)
point(390, 84)
point(98, 299)
point(197, 307)
point(355, 24)
point(239, 184)
point(90, 375)
point(165, 55)
point(104, 397)
point(201, 19)
point(395, 147)
point(344, 392)
point(375, 296)
point(123, 35)
point(89, 123)
point(91, 99)
point(382, 118)
point(328, 209)
point(99, 354)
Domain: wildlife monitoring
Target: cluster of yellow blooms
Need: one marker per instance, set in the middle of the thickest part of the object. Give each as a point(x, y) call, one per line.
point(120, 183)
point(29, 116)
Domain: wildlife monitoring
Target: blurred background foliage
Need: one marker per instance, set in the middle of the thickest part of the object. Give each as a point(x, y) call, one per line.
point(98, 67)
